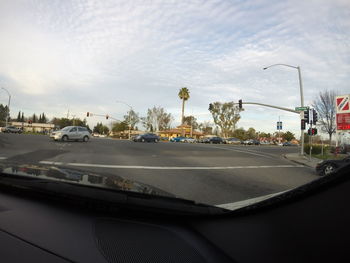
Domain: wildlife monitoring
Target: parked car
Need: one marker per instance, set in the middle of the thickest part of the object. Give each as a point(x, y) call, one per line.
point(217, 140)
point(289, 144)
point(71, 133)
point(329, 167)
point(189, 139)
point(251, 142)
point(147, 137)
point(11, 129)
point(233, 141)
point(177, 139)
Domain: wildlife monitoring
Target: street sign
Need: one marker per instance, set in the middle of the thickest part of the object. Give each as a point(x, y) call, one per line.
point(343, 104)
point(301, 108)
point(343, 121)
point(279, 125)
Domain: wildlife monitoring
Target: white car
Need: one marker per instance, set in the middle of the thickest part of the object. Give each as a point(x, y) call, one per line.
point(190, 140)
point(71, 133)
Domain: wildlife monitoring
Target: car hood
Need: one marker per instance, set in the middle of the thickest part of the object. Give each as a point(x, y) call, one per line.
point(81, 177)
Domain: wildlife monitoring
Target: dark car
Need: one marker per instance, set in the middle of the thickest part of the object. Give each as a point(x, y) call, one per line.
point(12, 129)
point(328, 167)
point(147, 137)
point(289, 144)
point(217, 140)
point(177, 139)
point(251, 142)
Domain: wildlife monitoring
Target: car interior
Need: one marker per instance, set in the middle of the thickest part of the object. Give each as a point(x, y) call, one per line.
point(305, 224)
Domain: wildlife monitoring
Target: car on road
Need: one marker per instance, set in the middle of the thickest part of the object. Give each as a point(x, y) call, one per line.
point(212, 140)
point(189, 140)
point(11, 129)
point(147, 137)
point(289, 144)
point(251, 142)
point(329, 167)
point(71, 133)
point(233, 141)
point(177, 139)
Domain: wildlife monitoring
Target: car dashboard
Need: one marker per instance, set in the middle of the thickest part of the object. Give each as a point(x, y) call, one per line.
point(311, 227)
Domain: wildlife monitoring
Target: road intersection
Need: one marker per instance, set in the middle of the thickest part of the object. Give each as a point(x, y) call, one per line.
point(213, 174)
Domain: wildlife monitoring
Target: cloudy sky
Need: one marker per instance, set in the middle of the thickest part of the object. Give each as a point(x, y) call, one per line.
point(87, 55)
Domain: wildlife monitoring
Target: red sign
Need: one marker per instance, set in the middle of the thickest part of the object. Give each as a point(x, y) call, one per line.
point(343, 121)
point(343, 103)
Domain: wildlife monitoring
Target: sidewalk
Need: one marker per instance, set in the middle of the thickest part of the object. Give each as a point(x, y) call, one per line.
point(297, 158)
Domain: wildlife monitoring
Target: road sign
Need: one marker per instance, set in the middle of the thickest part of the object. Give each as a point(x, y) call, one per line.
point(301, 108)
point(279, 125)
point(343, 121)
point(343, 104)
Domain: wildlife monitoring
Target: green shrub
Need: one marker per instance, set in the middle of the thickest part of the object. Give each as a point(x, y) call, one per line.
point(316, 149)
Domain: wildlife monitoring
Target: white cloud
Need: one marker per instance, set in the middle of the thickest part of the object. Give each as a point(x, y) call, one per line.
point(86, 55)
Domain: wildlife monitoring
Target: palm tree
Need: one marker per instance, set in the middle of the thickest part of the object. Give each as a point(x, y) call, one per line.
point(184, 94)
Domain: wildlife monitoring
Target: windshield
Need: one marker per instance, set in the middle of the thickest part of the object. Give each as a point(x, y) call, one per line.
point(211, 101)
point(66, 128)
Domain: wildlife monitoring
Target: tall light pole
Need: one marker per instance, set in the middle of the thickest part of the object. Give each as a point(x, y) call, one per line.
point(129, 115)
point(8, 105)
point(301, 98)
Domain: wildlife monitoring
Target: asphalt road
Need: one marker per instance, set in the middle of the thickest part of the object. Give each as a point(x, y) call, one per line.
point(212, 174)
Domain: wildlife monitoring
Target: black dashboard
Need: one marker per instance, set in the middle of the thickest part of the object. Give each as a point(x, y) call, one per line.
point(313, 227)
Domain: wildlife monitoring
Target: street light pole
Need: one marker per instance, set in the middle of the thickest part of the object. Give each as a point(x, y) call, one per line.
point(8, 106)
point(129, 115)
point(301, 99)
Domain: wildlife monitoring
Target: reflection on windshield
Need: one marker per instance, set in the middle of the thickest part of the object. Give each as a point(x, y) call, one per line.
point(84, 178)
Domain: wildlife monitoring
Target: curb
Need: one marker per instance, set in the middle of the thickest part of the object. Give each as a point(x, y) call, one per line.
point(298, 162)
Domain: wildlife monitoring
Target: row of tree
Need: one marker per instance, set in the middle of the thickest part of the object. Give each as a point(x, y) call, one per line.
point(3, 113)
point(63, 122)
point(34, 118)
point(20, 117)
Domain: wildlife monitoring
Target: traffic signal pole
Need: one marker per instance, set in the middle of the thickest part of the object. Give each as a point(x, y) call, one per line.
point(302, 105)
point(280, 108)
point(270, 106)
point(301, 98)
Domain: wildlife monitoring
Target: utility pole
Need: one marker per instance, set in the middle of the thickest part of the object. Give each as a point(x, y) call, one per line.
point(301, 99)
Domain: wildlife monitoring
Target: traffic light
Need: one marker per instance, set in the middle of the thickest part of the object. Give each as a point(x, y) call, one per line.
point(314, 116)
point(107, 117)
point(312, 131)
point(87, 114)
point(303, 124)
point(306, 116)
point(240, 104)
point(210, 106)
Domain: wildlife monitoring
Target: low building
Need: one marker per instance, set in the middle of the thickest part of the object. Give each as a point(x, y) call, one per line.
point(125, 134)
point(182, 130)
point(34, 127)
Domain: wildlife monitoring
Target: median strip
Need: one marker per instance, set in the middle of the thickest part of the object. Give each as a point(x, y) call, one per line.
point(170, 167)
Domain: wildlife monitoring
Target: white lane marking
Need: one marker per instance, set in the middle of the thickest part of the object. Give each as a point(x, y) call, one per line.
point(3, 158)
point(247, 151)
point(170, 167)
